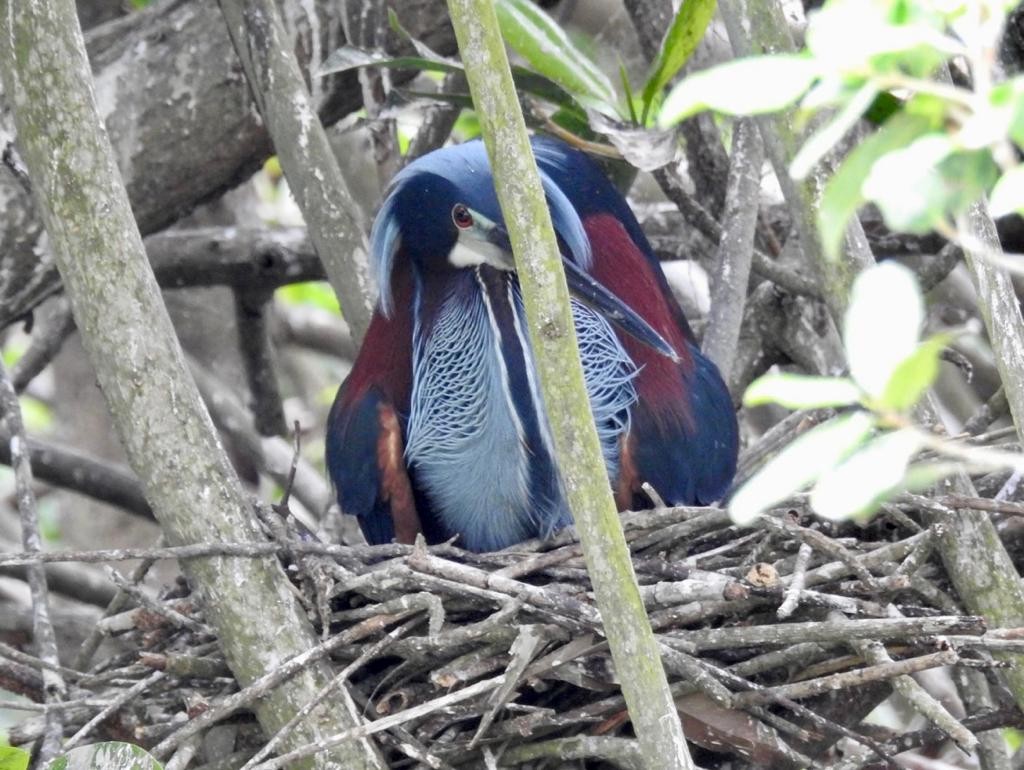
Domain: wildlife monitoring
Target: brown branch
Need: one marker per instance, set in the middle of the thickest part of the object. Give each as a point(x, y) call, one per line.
point(808, 688)
point(251, 308)
point(831, 631)
point(70, 469)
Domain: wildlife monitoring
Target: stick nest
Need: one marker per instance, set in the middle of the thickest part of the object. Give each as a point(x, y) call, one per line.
point(777, 641)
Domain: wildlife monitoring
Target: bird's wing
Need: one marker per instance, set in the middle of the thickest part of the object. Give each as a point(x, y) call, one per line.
point(365, 461)
point(687, 455)
point(682, 436)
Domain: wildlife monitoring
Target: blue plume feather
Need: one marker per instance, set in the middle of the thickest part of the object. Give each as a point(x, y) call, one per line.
point(384, 242)
point(609, 373)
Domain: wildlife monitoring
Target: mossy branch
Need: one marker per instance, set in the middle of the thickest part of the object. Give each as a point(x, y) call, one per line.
point(633, 646)
point(314, 176)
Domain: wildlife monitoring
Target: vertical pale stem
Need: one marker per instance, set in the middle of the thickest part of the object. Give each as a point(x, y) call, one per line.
point(314, 176)
point(633, 646)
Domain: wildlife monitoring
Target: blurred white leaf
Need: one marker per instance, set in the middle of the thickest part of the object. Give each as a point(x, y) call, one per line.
point(799, 391)
point(859, 484)
point(883, 324)
point(799, 464)
point(749, 86)
point(1008, 194)
point(907, 185)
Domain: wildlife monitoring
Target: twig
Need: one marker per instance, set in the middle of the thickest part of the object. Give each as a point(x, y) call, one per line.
point(70, 469)
point(42, 629)
point(247, 258)
point(314, 176)
point(697, 216)
point(258, 361)
point(258, 689)
point(617, 752)
point(368, 654)
point(989, 412)
point(874, 652)
point(880, 671)
point(973, 688)
point(81, 582)
point(802, 711)
point(96, 635)
point(384, 723)
point(796, 584)
point(125, 697)
point(523, 650)
point(832, 631)
point(183, 756)
point(47, 338)
point(539, 597)
point(822, 541)
point(160, 608)
point(38, 663)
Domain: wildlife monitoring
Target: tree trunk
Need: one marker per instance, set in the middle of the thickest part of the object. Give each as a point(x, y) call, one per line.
point(167, 434)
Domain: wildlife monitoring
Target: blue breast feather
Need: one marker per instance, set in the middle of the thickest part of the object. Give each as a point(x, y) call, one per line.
point(478, 445)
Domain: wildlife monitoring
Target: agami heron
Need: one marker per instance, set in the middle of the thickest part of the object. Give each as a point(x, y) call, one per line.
point(440, 427)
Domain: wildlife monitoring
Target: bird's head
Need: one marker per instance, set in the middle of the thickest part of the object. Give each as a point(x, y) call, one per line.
point(441, 213)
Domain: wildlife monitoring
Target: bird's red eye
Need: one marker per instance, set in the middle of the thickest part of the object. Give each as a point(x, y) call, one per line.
point(461, 217)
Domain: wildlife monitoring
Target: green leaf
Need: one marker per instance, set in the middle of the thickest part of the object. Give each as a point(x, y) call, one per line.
point(682, 40)
point(800, 463)
point(1014, 738)
point(799, 391)
point(922, 476)
point(843, 194)
point(914, 375)
point(966, 176)
point(1009, 95)
point(868, 477)
point(317, 294)
point(543, 43)
point(919, 186)
point(882, 325)
point(884, 107)
point(907, 185)
point(627, 88)
point(349, 57)
point(12, 758)
point(12, 352)
point(1008, 194)
point(856, 36)
point(112, 755)
point(751, 86)
point(38, 415)
point(818, 145)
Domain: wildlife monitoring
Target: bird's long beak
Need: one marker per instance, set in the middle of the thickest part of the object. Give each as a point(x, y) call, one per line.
point(587, 289)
